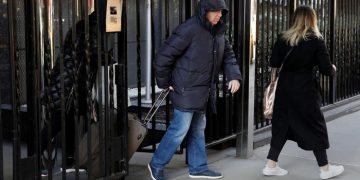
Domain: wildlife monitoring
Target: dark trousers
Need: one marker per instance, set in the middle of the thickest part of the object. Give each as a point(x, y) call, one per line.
point(55, 129)
point(320, 155)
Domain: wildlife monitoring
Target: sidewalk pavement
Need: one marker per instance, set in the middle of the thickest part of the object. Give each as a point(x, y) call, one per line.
point(344, 135)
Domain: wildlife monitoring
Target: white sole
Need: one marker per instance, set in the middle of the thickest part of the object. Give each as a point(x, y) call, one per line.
point(205, 177)
point(152, 177)
point(69, 170)
point(333, 175)
point(275, 174)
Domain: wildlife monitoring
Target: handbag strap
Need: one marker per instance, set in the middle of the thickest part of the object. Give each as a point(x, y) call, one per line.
point(286, 57)
point(273, 70)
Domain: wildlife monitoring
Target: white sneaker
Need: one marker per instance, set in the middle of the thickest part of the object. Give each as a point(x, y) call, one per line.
point(332, 172)
point(275, 171)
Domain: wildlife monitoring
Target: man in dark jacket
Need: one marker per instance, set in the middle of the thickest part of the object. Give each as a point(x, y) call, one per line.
point(188, 64)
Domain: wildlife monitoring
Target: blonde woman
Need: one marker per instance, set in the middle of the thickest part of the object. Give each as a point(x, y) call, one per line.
point(297, 115)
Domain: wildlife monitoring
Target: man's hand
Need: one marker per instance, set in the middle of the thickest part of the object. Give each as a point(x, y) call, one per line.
point(234, 85)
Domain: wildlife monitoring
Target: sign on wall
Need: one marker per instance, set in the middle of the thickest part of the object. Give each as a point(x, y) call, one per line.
point(113, 15)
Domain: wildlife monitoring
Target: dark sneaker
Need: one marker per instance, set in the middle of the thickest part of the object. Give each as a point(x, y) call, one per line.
point(45, 160)
point(44, 172)
point(208, 174)
point(156, 174)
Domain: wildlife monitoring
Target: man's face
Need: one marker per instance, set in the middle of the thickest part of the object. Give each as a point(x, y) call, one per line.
point(214, 16)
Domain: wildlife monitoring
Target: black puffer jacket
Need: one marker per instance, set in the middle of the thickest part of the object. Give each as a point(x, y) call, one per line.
point(192, 57)
point(80, 69)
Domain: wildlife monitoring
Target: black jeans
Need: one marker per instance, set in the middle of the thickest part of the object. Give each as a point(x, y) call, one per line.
point(56, 128)
point(320, 155)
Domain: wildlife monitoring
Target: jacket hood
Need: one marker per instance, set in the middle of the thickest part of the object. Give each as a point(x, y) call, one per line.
point(207, 5)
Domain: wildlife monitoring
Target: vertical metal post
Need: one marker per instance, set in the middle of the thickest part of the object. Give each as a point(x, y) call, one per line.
point(32, 84)
point(153, 31)
point(238, 46)
point(108, 124)
point(1, 142)
point(353, 44)
point(332, 48)
point(244, 140)
point(62, 96)
point(148, 51)
point(348, 47)
point(239, 19)
point(293, 5)
point(267, 44)
point(38, 91)
point(357, 33)
point(261, 58)
point(188, 9)
point(99, 89)
point(85, 8)
point(122, 93)
point(357, 41)
point(158, 24)
point(278, 23)
point(167, 34)
point(229, 105)
point(273, 35)
point(138, 57)
point(337, 50)
point(30, 68)
point(181, 11)
point(48, 64)
point(14, 87)
point(75, 44)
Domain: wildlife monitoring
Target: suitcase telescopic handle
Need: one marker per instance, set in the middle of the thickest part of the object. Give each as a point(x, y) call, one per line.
point(159, 100)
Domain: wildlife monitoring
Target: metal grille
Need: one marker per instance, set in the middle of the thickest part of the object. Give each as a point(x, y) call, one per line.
point(341, 38)
point(39, 67)
point(273, 17)
point(4, 56)
point(36, 55)
point(20, 32)
point(347, 45)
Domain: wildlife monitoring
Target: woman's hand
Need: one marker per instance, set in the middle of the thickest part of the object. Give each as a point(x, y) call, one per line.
point(234, 86)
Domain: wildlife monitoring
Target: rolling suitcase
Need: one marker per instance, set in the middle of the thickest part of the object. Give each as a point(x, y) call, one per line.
point(138, 130)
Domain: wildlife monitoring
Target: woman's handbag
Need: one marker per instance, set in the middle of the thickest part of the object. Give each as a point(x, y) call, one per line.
point(269, 94)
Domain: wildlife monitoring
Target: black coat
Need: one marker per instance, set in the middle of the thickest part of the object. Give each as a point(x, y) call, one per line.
point(297, 115)
point(192, 57)
point(69, 64)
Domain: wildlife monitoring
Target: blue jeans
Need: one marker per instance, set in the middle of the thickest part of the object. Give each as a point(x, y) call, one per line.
point(182, 122)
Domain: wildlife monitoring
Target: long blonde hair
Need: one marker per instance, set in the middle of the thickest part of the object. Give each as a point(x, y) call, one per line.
point(304, 24)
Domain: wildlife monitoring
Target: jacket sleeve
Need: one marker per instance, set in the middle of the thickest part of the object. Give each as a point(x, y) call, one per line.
point(172, 48)
point(231, 68)
point(323, 59)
